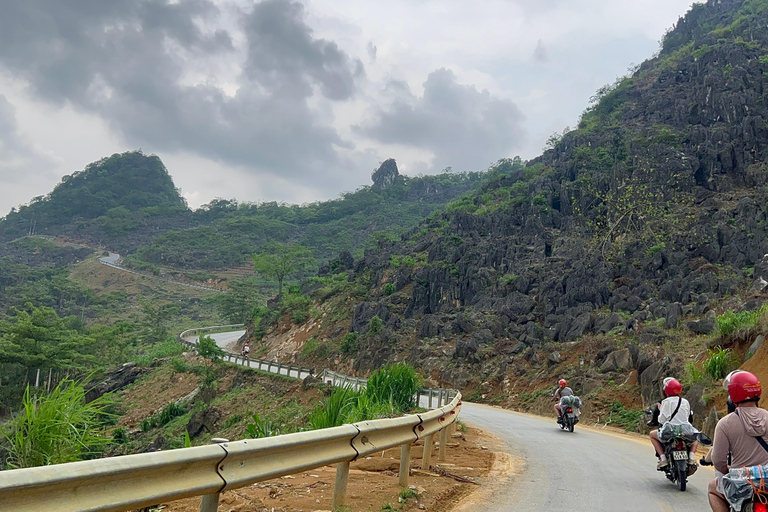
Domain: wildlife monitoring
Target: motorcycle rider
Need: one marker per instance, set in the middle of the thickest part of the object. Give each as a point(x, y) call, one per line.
point(561, 391)
point(246, 350)
point(674, 410)
point(739, 434)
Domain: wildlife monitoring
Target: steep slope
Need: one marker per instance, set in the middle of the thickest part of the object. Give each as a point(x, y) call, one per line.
point(651, 212)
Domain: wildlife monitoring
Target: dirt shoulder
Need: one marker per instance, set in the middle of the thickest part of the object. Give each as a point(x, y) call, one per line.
point(373, 482)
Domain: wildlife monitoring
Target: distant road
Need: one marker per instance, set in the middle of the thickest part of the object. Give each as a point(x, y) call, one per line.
point(587, 471)
point(113, 261)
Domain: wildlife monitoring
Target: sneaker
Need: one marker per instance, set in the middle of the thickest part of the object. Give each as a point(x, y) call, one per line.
point(692, 467)
point(652, 424)
point(663, 463)
point(559, 421)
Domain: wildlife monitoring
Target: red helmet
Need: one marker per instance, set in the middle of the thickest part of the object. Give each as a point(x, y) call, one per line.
point(562, 383)
point(744, 386)
point(672, 387)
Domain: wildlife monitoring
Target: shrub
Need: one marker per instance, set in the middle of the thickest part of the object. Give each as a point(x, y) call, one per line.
point(350, 343)
point(334, 410)
point(507, 278)
point(169, 412)
point(692, 374)
point(375, 325)
point(160, 350)
point(389, 289)
point(719, 363)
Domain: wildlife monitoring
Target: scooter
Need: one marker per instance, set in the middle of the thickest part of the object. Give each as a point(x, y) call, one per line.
point(676, 450)
point(569, 419)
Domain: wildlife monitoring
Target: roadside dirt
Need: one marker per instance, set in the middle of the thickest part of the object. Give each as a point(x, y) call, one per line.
point(373, 482)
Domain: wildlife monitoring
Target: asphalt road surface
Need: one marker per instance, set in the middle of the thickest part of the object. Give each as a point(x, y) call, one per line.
point(588, 470)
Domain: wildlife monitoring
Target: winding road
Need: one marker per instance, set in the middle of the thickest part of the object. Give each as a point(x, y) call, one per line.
point(589, 470)
point(585, 471)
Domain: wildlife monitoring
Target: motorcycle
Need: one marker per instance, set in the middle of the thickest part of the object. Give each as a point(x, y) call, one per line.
point(569, 406)
point(677, 442)
point(745, 488)
point(569, 419)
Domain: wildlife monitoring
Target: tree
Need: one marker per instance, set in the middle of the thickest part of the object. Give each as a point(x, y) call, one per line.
point(154, 327)
point(279, 261)
point(237, 305)
point(38, 338)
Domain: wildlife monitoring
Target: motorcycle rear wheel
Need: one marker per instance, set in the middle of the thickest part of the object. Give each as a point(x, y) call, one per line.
point(682, 475)
point(570, 426)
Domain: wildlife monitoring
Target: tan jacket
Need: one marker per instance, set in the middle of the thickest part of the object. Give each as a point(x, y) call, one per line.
point(735, 434)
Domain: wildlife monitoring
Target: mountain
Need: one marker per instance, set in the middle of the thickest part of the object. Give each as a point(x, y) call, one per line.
point(649, 216)
point(114, 191)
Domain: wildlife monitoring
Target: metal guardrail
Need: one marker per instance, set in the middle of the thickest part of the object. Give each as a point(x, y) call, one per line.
point(133, 481)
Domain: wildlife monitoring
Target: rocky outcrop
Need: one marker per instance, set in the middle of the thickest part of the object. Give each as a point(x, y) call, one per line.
point(118, 378)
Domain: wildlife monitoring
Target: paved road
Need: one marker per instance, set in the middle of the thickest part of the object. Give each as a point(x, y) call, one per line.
point(588, 470)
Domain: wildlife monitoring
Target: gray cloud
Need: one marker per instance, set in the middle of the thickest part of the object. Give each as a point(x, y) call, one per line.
point(463, 127)
point(17, 156)
point(127, 62)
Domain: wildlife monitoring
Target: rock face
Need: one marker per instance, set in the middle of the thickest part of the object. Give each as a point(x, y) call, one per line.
point(203, 421)
point(118, 378)
point(386, 175)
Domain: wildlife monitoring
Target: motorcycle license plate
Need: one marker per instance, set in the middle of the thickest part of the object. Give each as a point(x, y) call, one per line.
point(679, 455)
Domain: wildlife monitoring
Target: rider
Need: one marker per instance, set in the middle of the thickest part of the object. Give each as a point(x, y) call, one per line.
point(674, 410)
point(561, 391)
point(738, 434)
point(246, 349)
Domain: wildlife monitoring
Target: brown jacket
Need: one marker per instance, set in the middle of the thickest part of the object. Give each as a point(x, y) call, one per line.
point(736, 434)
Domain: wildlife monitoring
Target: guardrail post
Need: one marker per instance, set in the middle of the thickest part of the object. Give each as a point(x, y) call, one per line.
point(405, 464)
point(210, 502)
point(340, 488)
point(430, 398)
point(443, 444)
point(439, 398)
point(427, 457)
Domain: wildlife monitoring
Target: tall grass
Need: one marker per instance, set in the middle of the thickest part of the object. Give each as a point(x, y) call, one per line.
point(261, 427)
point(397, 383)
point(390, 391)
point(719, 363)
point(732, 322)
point(57, 428)
point(169, 412)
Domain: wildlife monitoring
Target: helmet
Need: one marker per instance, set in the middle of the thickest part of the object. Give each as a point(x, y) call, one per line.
point(727, 379)
point(672, 387)
point(562, 383)
point(744, 386)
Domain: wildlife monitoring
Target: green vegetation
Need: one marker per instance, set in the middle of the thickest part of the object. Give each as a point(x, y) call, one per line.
point(626, 418)
point(390, 391)
point(57, 428)
point(170, 411)
point(350, 344)
point(281, 261)
point(730, 322)
point(261, 427)
point(719, 363)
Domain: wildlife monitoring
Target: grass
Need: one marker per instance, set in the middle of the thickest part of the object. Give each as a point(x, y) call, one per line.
point(57, 428)
point(719, 363)
point(397, 383)
point(168, 413)
point(730, 322)
point(628, 419)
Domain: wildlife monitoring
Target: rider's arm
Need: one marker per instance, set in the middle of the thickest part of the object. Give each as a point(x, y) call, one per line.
point(665, 411)
point(720, 449)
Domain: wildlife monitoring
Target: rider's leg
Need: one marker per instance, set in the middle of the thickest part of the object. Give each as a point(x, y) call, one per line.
point(692, 453)
point(654, 435)
point(558, 411)
point(716, 500)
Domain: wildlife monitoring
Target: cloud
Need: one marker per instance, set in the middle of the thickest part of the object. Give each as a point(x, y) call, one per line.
point(17, 156)
point(463, 127)
point(147, 68)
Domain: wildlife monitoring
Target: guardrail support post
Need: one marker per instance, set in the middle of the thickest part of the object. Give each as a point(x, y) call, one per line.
point(340, 488)
point(427, 457)
point(439, 398)
point(443, 444)
point(210, 502)
point(405, 464)
point(430, 398)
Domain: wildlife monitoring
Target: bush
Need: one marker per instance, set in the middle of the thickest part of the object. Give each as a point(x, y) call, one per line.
point(375, 325)
point(168, 348)
point(57, 428)
point(389, 289)
point(334, 410)
point(692, 374)
point(350, 343)
point(169, 412)
point(719, 363)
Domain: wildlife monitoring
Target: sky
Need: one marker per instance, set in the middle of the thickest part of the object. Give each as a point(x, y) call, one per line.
point(300, 100)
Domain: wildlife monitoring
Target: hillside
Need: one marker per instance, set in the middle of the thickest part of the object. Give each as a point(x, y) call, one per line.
point(635, 231)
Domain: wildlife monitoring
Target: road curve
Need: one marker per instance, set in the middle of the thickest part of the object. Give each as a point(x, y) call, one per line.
point(589, 470)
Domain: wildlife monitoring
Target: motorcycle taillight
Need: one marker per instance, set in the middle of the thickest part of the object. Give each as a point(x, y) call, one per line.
point(569, 410)
point(680, 446)
point(759, 507)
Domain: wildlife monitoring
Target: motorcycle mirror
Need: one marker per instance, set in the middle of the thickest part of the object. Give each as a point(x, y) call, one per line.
point(704, 439)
